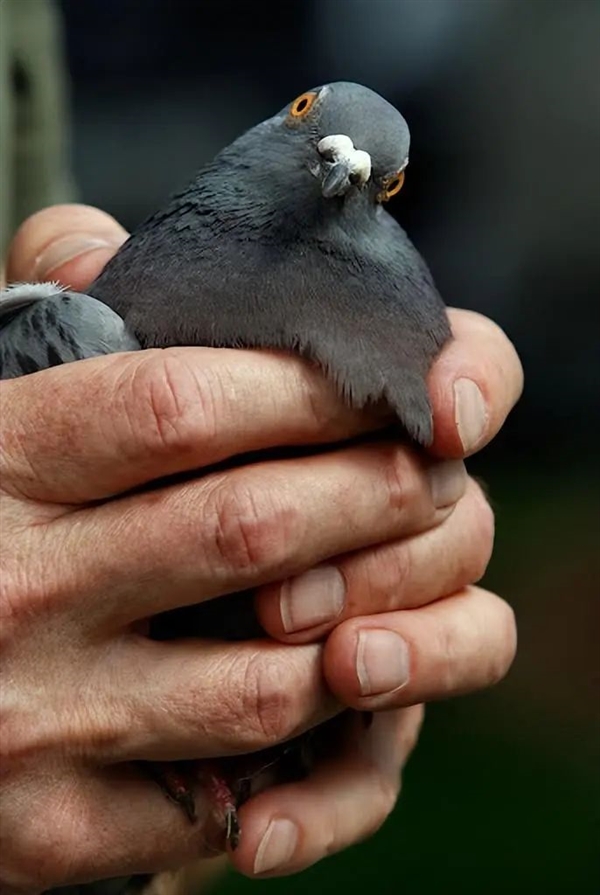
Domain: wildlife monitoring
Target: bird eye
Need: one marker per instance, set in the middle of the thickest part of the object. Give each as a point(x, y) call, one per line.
point(302, 106)
point(391, 186)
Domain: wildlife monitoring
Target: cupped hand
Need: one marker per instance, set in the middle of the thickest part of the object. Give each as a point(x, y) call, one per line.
point(403, 622)
point(393, 640)
point(85, 561)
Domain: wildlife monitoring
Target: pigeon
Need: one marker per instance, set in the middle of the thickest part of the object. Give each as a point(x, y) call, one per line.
point(283, 241)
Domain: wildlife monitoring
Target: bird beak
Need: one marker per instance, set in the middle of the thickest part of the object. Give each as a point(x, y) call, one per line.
point(343, 165)
point(336, 180)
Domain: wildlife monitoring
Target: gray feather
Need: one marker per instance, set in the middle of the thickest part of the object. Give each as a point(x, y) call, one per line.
point(20, 295)
point(42, 326)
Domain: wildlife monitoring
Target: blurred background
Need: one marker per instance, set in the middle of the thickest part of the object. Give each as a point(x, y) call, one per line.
point(503, 199)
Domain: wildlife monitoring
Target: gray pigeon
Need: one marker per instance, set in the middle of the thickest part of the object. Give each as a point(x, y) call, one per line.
point(282, 241)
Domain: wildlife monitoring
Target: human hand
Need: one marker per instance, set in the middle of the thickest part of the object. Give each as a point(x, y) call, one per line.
point(85, 560)
point(459, 643)
point(407, 623)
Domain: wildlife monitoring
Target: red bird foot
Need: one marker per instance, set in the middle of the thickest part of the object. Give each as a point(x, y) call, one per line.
point(178, 780)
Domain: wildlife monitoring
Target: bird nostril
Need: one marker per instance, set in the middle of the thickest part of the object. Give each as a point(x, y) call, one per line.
point(327, 154)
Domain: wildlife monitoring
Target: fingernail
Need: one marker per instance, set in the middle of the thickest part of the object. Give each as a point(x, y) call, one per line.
point(470, 413)
point(447, 481)
point(382, 661)
point(312, 599)
point(62, 250)
point(277, 845)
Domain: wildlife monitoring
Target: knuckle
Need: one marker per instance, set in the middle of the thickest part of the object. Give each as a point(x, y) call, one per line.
point(412, 737)
point(462, 642)
point(319, 410)
point(402, 480)
point(267, 707)
point(13, 608)
point(476, 650)
point(486, 531)
point(503, 656)
point(413, 718)
point(481, 540)
point(18, 470)
point(15, 743)
point(33, 582)
point(401, 571)
point(388, 571)
point(28, 732)
point(476, 322)
point(169, 406)
point(384, 798)
point(254, 527)
point(323, 407)
point(22, 596)
point(449, 652)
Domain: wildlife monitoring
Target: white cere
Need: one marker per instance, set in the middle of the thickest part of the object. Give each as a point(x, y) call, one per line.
point(340, 148)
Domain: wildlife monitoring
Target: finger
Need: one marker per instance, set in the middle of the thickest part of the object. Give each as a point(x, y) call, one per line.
point(229, 531)
point(459, 644)
point(198, 877)
point(192, 699)
point(401, 574)
point(67, 243)
point(474, 384)
point(109, 823)
point(346, 799)
point(91, 429)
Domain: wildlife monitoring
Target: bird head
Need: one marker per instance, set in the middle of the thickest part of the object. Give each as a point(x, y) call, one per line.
point(354, 140)
point(331, 145)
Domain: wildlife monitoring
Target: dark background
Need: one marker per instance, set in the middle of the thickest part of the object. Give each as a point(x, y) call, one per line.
point(502, 197)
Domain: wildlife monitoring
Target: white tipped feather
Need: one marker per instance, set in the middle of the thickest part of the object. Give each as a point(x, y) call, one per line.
point(20, 295)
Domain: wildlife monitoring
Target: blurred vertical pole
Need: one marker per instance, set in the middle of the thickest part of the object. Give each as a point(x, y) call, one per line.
point(34, 166)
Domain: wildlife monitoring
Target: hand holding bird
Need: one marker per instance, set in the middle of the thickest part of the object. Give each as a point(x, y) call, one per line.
point(281, 242)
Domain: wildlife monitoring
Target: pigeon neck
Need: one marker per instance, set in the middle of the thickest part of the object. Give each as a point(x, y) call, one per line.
point(267, 206)
point(262, 186)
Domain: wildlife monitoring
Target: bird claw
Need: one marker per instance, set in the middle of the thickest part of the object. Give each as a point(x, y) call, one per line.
point(188, 804)
point(232, 827)
point(223, 800)
point(177, 786)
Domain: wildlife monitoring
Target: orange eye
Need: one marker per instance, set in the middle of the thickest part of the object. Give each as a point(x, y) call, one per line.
point(302, 106)
point(391, 186)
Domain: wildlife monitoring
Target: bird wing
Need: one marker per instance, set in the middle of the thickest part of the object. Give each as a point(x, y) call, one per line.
point(42, 325)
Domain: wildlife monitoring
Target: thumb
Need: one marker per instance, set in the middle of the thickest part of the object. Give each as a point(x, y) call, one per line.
point(67, 243)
